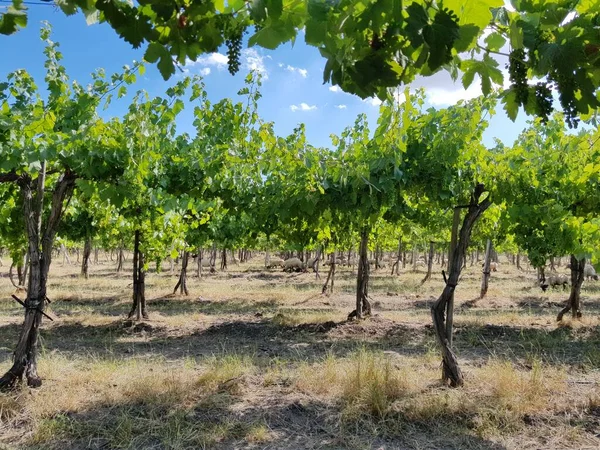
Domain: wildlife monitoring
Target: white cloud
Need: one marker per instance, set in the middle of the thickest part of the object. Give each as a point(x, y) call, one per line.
point(442, 91)
point(373, 101)
point(334, 88)
point(218, 60)
point(303, 107)
point(398, 96)
point(303, 72)
point(251, 60)
point(341, 106)
point(445, 96)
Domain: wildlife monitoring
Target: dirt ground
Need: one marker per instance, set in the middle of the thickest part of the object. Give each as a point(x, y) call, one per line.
point(257, 358)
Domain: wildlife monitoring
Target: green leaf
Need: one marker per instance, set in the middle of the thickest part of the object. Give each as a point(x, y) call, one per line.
point(165, 65)
point(316, 32)
point(12, 19)
point(272, 36)
point(511, 107)
point(68, 7)
point(153, 52)
point(467, 36)
point(440, 37)
point(488, 71)
point(516, 35)
point(274, 8)
point(468, 75)
point(258, 10)
point(495, 41)
point(476, 12)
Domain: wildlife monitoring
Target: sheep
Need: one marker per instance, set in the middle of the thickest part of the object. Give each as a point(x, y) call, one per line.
point(493, 266)
point(338, 262)
point(275, 262)
point(206, 263)
point(382, 264)
point(589, 272)
point(554, 281)
point(311, 262)
point(293, 265)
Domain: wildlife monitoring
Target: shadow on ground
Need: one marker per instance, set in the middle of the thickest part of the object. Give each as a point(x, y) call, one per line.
point(220, 421)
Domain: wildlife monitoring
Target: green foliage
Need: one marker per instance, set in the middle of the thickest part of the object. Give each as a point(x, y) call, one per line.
point(549, 185)
point(14, 18)
point(375, 45)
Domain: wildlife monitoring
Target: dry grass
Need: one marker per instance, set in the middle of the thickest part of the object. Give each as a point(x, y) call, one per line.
point(244, 363)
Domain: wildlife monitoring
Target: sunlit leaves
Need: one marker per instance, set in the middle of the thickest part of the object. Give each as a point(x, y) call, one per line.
point(551, 190)
point(14, 18)
point(486, 69)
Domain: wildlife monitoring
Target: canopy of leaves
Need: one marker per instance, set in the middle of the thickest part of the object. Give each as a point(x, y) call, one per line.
point(373, 45)
point(550, 186)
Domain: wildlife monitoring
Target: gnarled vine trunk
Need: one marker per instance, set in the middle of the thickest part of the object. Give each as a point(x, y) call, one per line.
point(199, 262)
point(87, 251)
point(65, 253)
point(443, 309)
point(328, 286)
point(363, 306)
point(40, 242)
point(429, 262)
point(396, 265)
point(315, 264)
point(139, 281)
point(182, 283)
point(577, 277)
point(414, 258)
point(485, 278)
point(224, 259)
point(23, 269)
point(120, 259)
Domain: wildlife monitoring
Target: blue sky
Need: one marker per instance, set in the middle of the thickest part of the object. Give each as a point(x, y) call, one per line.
point(293, 89)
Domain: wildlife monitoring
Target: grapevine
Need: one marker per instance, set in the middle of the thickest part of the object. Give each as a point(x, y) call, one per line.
point(543, 101)
point(234, 47)
point(566, 85)
point(517, 70)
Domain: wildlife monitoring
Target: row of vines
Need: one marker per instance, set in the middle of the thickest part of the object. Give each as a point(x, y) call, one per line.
point(419, 176)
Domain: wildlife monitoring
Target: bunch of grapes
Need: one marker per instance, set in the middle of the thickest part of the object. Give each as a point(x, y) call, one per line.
point(567, 85)
point(543, 101)
point(517, 71)
point(234, 48)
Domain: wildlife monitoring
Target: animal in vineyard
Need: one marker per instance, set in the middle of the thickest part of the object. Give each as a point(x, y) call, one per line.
point(206, 262)
point(493, 266)
point(590, 273)
point(293, 265)
point(338, 261)
point(275, 262)
point(311, 262)
point(554, 281)
point(382, 264)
